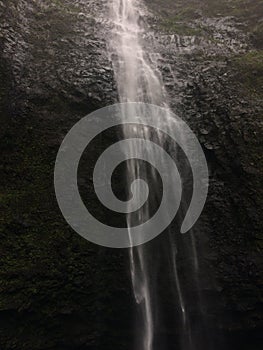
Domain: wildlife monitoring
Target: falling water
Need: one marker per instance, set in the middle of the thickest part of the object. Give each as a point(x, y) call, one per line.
point(139, 80)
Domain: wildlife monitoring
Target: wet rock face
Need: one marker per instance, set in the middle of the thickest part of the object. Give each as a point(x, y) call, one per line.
point(58, 48)
point(57, 290)
point(208, 61)
point(60, 292)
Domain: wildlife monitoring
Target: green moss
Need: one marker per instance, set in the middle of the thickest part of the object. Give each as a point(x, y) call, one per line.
point(171, 25)
point(257, 35)
point(178, 15)
point(185, 13)
point(250, 69)
point(65, 6)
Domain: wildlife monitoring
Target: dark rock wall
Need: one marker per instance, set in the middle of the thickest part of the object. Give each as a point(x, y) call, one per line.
point(57, 291)
point(212, 69)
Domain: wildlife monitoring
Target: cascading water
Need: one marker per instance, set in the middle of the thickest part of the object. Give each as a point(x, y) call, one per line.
point(138, 80)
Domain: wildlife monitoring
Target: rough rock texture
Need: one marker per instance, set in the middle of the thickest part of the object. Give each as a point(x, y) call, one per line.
point(57, 291)
point(213, 73)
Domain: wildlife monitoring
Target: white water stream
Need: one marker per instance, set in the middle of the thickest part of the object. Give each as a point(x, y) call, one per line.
point(138, 80)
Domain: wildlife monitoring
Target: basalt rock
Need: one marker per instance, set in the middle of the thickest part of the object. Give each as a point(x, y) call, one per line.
point(59, 291)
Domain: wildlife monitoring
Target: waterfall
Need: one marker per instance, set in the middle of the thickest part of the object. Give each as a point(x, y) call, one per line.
point(139, 80)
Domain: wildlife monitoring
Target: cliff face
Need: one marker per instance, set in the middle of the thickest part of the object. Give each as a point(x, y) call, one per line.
point(57, 290)
point(212, 69)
